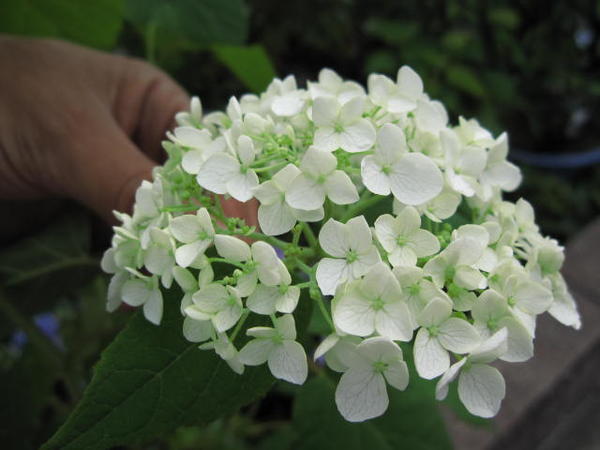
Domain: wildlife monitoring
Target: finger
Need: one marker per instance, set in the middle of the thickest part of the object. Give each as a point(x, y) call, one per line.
point(105, 169)
point(247, 210)
point(147, 104)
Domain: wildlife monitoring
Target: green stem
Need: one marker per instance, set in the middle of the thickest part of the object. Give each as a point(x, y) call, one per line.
point(226, 261)
point(324, 312)
point(239, 325)
point(366, 201)
point(310, 236)
point(273, 167)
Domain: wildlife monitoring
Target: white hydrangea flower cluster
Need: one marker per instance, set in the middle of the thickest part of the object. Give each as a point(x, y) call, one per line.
point(450, 267)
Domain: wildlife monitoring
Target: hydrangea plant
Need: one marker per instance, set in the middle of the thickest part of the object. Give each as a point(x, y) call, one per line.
point(388, 216)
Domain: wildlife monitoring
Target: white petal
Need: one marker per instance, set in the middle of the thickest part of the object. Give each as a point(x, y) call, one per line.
point(491, 349)
point(425, 243)
point(197, 330)
point(441, 389)
point(394, 321)
point(354, 315)
point(361, 395)
point(340, 189)
point(305, 194)
point(373, 177)
point(287, 302)
point(397, 375)
point(135, 292)
point(519, 342)
point(240, 186)
point(326, 139)
point(458, 335)
point(153, 308)
point(263, 299)
point(184, 279)
point(481, 388)
point(391, 143)
point(469, 278)
point(324, 110)
point(185, 228)
point(288, 362)
point(358, 137)
point(318, 162)
point(187, 254)
point(533, 298)
point(276, 218)
point(256, 352)
point(436, 311)
point(232, 248)
point(227, 318)
point(334, 238)
point(403, 256)
point(431, 359)
point(192, 161)
point(415, 179)
point(330, 273)
point(217, 171)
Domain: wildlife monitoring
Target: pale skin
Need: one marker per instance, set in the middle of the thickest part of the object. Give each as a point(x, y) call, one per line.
point(84, 124)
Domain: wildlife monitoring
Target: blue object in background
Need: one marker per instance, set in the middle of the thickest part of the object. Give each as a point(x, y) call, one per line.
point(48, 325)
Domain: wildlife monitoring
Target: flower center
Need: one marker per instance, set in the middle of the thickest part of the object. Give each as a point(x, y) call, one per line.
point(338, 127)
point(377, 304)
point(231, 300)
point(511, 301)
point(380, 366)
point(351, 256)
point(386, 169)
point(401, 241)
point(414, 290)
point(449, 273)
point(492, 324)
point(283, 288)
point(203, 235)
point(434, 330)
point(321, 179)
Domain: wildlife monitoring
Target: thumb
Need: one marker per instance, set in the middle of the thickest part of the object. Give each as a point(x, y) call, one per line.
point(106, 170)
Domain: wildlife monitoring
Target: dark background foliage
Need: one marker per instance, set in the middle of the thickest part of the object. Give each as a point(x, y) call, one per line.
point(529, 67)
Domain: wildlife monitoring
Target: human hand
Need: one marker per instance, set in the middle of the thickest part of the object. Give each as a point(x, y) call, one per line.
point(83, 124)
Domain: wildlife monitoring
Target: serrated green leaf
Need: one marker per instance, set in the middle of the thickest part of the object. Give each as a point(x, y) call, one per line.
point(250, 64)
point(412, 421)
point(149, 381)
point(94, 23)
point(200, 22)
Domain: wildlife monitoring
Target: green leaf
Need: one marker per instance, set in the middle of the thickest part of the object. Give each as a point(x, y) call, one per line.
point(201, 22)
point(46, 266)
point(250, 64)
point(464, 78)
point(412, 421)
point(150, 381)
point(93, 23)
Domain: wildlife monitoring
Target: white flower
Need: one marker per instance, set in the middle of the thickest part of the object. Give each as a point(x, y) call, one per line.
point(471, 132)
point(341, 126)
point(437, 209)
point(289, 100)
point(268, 299)
point(320, 179)
point(333, 349)
point(481, 387)
point(275, 216)
point(413, 178)
point(417, 290)
point(220, 304)
point(144, 291)
point(159, 257)
point(351, 245)
point(399, 97)
point(440, 333)
point(403, 238)
point(430, 116)
point(490, 314)
point(278, 347)
point(196, 232)
point(204, 147)
point(330, 83)
point(225, 349)
point(455, 265)
point(499, 172)
point(190, 284)
point(525, 298)
point(563, 308)
point(361, 393)
point(193, 117)
point(223, 173)
point(463, 165)
point(373, 304)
